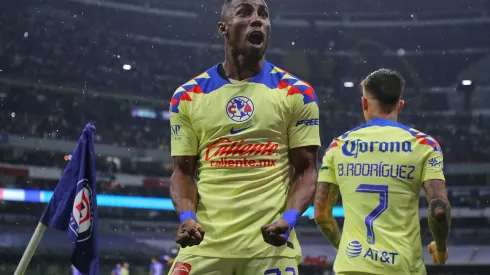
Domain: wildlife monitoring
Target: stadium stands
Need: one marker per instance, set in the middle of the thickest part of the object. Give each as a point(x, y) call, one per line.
point(117, 63)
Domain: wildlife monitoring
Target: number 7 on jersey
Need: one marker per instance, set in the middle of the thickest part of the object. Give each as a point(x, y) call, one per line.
point(382, 190)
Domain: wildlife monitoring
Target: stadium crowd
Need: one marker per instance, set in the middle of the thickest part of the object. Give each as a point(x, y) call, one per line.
point(31, 112)
point(81, 46)
point(65, 63)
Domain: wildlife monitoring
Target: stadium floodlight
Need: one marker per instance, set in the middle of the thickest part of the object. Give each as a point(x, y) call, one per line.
point(348, 84)
point(466, 82)
point(126, 67)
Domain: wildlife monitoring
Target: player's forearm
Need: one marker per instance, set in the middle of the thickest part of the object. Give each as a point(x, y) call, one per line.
point(302, 191)
point(330, 229)
point(440, 221)
point(183, 191)
point(326, 197)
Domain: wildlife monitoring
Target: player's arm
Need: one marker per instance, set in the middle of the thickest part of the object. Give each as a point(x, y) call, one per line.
point(304, 139)
point(439, 207)
point(300, 195)
point(439, 212)
point(327, 194)
point(183, 189)
point(326, 197)
point(304, 162)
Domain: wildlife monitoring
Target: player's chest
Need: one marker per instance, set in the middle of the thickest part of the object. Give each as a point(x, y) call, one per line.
point(239, 109)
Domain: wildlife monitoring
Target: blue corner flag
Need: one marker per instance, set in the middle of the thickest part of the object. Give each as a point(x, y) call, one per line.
point(73, 207)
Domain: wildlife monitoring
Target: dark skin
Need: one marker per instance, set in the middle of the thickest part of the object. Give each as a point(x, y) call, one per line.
point(239, 19)
point(246, 28)
point(326, 197)
point(300, 195)
point(183, 191)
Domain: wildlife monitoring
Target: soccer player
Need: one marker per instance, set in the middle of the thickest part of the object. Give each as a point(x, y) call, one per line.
point(251, 131)
point(125, 269)
point(378, 168)
point(117, 270)
point(156, 267)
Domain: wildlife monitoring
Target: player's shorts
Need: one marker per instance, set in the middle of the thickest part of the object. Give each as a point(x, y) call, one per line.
point(364, 273)
point(198, 265)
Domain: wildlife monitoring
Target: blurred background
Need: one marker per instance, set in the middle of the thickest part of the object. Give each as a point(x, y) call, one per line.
point(64, 63)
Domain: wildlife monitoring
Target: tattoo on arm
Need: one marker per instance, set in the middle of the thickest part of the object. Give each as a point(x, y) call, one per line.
point(439, 212)
point(326, 197)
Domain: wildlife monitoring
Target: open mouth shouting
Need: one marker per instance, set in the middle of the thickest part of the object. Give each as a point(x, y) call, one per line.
point(256, 38)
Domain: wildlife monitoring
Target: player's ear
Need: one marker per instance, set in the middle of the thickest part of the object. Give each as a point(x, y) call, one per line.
point(401, 104)
point(222, 29)
point(364, 103)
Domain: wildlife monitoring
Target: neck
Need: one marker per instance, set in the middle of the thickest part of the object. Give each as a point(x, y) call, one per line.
point(240, 67)
point(393, 116)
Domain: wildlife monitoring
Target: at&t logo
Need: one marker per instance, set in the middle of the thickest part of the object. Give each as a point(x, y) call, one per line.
point(354, 249)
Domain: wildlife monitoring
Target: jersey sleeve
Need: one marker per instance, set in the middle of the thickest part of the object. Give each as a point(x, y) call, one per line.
point(184, 141)
point(327, 170)
point(304, 129)
point(433, 166)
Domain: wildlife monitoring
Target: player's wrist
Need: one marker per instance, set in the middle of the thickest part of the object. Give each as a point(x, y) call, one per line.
point(441, 248)
point(188, 214)
point(291, 216)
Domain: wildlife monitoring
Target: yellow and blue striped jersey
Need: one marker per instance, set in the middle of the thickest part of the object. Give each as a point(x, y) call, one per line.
point(241, 132)
point(379, 168)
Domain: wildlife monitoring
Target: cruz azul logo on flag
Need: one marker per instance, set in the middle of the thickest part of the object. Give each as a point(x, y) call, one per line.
point(81, 217)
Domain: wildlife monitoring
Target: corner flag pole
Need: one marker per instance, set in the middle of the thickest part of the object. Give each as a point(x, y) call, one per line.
point(76, 188)
point(31, 248)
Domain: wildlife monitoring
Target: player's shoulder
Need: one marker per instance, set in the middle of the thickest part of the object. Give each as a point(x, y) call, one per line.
point(202, 84)
point(341, 139)
point(277, 78)
point(392, 130)
point(281, 74)
point(404, 132)
point(425, 139)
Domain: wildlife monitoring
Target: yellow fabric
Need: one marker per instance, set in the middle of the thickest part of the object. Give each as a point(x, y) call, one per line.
point(242, 133)
point(379, 168)
point(234, 266)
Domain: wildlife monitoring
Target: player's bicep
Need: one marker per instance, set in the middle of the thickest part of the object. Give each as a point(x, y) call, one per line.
point(185, 165)
point(327, 195)
point(433, 166)
point(184, 141)
point(303, 128)
point(304, 158)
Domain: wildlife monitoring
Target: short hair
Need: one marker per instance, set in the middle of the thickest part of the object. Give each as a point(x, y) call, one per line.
point(386, 86)
point(224, 7)
point(226, 3)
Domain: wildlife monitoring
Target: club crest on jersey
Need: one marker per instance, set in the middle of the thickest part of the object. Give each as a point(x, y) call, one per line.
point(81, 217)
point(240, 109)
